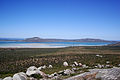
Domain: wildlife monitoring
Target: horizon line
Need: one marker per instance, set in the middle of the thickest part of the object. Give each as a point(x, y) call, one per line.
point(57, 38)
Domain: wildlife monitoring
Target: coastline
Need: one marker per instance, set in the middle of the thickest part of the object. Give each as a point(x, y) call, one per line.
point(32, 47)
point(46, 45)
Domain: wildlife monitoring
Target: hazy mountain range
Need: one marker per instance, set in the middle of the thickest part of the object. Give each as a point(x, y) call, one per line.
point(37, 39)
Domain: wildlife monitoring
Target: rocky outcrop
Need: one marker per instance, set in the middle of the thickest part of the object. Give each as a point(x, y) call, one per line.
point(34, 73)
point(102, 74)
point(20, 76)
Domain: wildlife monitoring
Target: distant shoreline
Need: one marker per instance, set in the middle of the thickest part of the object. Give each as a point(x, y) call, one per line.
point(32, 47)
point(51, 47)
point(12, 44)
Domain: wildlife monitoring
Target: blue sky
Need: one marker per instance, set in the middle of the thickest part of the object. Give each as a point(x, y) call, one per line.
point(64, 19)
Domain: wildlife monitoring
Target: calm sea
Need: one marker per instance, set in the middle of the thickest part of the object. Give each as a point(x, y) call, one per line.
point(13, 44)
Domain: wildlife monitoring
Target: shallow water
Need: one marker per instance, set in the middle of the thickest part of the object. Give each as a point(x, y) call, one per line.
point(14, 44)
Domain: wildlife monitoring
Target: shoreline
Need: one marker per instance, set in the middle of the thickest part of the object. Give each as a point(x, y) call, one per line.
point(32, 47)
point(46, 45)
point(49, 46)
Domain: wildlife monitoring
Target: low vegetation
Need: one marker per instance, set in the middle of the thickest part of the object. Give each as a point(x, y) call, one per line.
point(19, 59)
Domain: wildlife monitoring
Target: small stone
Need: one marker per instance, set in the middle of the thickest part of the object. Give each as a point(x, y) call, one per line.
point(65, 64)
point(76, 64)
point(119, 65)
point(107, 62)
point(80, 64)
point(50, 66)
point(68, 72)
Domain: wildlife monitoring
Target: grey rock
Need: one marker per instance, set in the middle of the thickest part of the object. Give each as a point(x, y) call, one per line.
point(68, 72)
point(65, 64)
point(1, 79)
point(8, 78)
point(20, 76)
point(32, 70)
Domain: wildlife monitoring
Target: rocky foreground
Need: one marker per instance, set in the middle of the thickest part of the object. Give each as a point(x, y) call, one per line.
point(34, 73)
point(75, 71)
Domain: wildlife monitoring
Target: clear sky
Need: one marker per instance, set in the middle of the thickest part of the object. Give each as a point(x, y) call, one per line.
point(60, 19)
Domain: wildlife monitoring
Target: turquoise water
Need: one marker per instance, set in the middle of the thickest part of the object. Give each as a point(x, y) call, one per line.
point(49, 44)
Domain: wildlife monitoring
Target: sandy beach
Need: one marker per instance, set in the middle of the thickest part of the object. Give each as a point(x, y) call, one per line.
point(33, 45)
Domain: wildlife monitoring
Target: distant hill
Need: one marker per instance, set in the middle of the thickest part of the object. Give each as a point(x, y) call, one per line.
point(37, 39)
point(115, 44)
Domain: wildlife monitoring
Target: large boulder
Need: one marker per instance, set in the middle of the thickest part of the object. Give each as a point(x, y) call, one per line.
point(32, 70)
point(20, 76)
point(8, 78)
